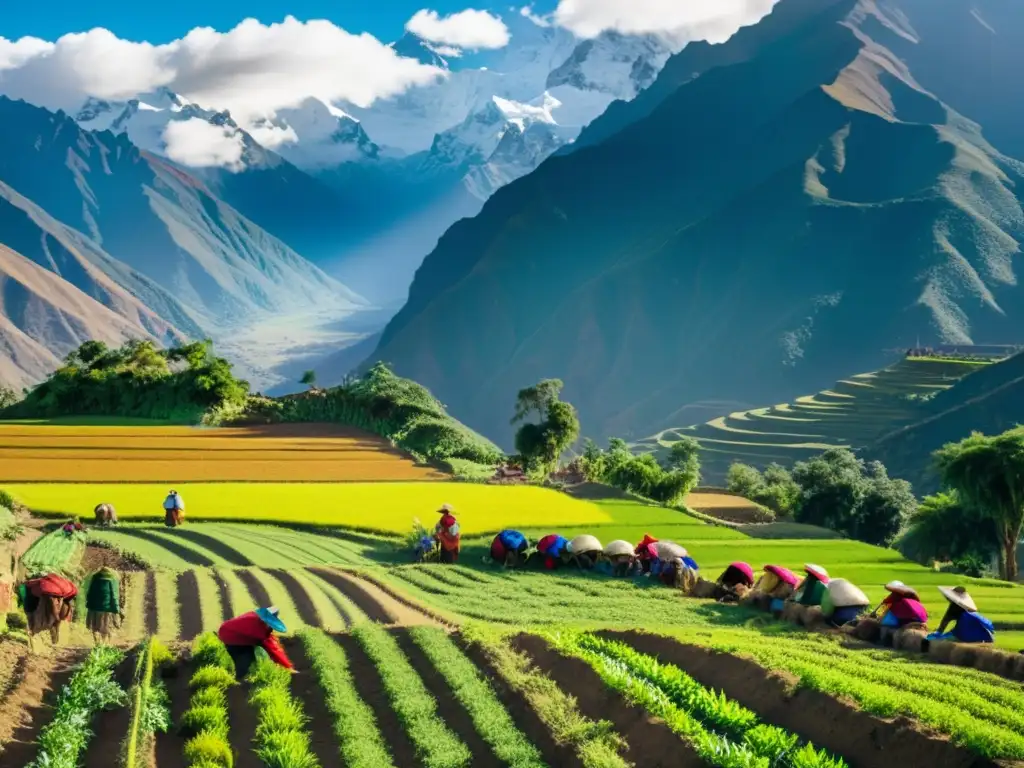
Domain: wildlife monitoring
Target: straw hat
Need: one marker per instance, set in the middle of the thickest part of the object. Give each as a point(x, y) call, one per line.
point(846, 595)
point(584, 543)
point(899, 588)
point(958, 596)
point(618, 548)
point(669, 549)
point(817, 572)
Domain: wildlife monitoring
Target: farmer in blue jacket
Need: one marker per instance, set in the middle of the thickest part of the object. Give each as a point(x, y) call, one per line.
point(969, 626)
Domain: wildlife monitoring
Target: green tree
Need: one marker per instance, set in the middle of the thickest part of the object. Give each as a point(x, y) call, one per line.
point(946, 529)
point(884, 508)
point(775, 488)
point(988, 474)
point(541, 444)
point(308, 378)
point(8, 396)
point(744, 480)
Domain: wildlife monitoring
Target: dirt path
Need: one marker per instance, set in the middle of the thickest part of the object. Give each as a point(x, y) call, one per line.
point(224, 594)
point(650, 742)
point(190, 614)
point(168, 746)
point(833, 724)
point(371, 690)
point(242, 722)
point(111, 726)
point(150, 603)
point(301, 599)
point(257, 591)
point(307, 690)
point(448, 707)
point(30, 705)
point(377, 604)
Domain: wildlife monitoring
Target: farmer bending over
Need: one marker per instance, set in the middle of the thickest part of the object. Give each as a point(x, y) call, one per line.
point(448, 537)
point(103, 605)
point(509, 548)
point(47, 600)
point(243, 633)
point(969, 626)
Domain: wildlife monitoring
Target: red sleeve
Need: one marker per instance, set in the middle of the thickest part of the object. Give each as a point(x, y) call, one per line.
point(276, 652)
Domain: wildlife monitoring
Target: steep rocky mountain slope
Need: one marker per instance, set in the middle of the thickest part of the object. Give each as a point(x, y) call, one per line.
point(154, 245)
point(990, 401)
point(771, 225)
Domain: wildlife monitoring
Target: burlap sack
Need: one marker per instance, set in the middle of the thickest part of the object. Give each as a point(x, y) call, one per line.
point(869, 630)
point(910, 639)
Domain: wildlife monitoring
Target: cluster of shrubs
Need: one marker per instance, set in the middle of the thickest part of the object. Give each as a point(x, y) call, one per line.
point(186, 383)
point(388, 405)
point(643, 474)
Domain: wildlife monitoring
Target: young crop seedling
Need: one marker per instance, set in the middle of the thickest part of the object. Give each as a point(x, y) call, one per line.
point(205, 722)
point(150, 705)
point(282, 736)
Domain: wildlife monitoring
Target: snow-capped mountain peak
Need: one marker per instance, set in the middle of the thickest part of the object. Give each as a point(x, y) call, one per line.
point(315, 135)
point(414, 47)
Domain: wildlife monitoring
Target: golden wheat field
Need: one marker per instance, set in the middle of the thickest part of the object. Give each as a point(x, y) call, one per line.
point(386, 507)
point(279, 453)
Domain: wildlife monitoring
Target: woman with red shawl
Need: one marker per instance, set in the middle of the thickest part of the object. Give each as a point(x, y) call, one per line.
point(242, 634)
point(448, 536)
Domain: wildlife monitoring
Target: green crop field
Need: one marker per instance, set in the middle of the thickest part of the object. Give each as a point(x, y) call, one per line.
point(472, 665)
point(853, 413)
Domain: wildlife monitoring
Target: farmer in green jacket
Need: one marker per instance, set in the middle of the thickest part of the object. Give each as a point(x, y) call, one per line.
point(103, 603)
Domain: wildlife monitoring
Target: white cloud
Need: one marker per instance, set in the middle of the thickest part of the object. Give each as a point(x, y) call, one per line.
point(252, 70)
point(199, 144)
point(527, 12)
point(466, 29)
point(679, 20)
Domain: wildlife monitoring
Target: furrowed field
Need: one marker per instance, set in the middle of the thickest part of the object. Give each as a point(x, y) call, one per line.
point(404, 664)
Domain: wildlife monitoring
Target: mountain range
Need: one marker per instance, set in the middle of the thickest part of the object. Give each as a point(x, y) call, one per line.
point(843, 178)
point(296, 244)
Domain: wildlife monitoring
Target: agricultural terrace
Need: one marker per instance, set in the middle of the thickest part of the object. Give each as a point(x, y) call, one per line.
point(852, 414)
point(405, 664)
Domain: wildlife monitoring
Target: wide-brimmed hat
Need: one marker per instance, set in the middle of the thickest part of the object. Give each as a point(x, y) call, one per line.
point(584, 543)
point(897, 587)
point(668, 550)
point(784, 574)
point(745, 569)
point(846, 595)
point(269, 617)
point(817, 572)
point(958, 596)
point(618, 548)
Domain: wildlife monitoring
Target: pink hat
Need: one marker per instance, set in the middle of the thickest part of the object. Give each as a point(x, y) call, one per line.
point(817, 572)
point(784, 574)
point(745, 569)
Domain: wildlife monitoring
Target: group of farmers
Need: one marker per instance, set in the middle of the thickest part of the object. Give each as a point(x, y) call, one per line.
point(173, 506)
point(48, 600)
point(841, 603)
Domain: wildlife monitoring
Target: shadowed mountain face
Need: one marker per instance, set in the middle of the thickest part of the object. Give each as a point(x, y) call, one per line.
point(770, 224)
point(152, 245)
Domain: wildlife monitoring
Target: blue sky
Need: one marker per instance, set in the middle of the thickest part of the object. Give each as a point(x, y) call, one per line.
point(160, 22)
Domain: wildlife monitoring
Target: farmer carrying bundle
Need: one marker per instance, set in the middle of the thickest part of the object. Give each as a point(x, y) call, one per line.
point(47, 600)
point(103, 604)
point(448, 537)
point(510, 549)
point(969, 626)
point(174, 509)
point(242, 634)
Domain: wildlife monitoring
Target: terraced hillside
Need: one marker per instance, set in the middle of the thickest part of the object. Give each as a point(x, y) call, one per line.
point(853, 413)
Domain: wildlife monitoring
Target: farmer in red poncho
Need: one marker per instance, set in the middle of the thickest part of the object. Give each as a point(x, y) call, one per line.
point(48, 600)
point(448, 537)
point(243, 633)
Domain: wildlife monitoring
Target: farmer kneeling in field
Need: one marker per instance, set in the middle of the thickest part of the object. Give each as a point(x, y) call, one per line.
point(554, 549)
point(969, 626)
point(843, 602)
point(773, 588)
point(734, 582)
point(103, 605)
point(812, 588)
point(448, 537)
point(901, 609)
point(585, 550)
point(509, 548)
point(174, 509)
point(47, 601)
point(105, 515)
point(242, 634)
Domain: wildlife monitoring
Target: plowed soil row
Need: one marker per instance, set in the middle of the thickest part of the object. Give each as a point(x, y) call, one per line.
point(110, 727)
point(150, 603)
point(448, 707)
point(168, 746)
point(836, 725)
point(224, 595)
point(307, 690)
point(650, 743)
point(301, 599)
point(190, 614)
point(371, 690)
point(29, 705)
point(256, 589)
